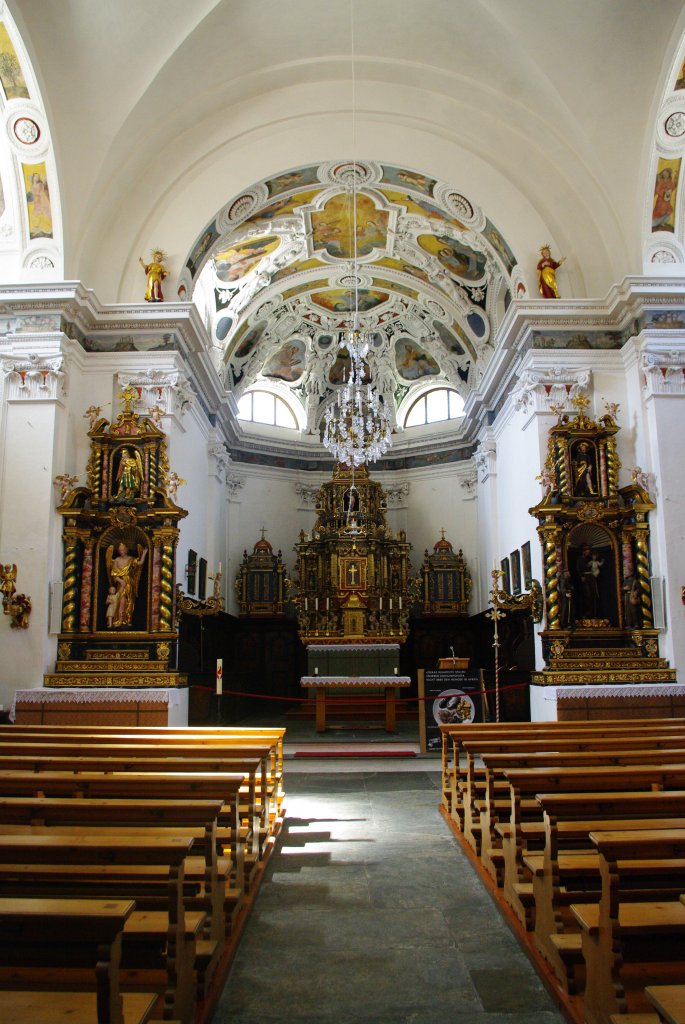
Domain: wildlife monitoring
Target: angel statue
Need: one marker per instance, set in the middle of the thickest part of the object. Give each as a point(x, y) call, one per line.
point(123, 570)
point(129, 474)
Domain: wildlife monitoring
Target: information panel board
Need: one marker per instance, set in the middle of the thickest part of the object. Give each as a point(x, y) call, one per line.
point(450, 695)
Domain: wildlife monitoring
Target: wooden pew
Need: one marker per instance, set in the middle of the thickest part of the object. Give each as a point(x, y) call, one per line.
point(236, 737)
point(167, 786)
point(60, 865)
point(526, 783)
point(486, 790)
point(568, 869)
point(496, 808)
point(669, 1001)
point(626, 945)
point(48, 940)
point(216, 758)
point(252, 802)
point(453, 737)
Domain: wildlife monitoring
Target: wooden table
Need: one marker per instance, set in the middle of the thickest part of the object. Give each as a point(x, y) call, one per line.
point(325, 685)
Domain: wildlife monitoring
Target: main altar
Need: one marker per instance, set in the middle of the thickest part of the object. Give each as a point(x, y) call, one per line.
point(353, 571)
point(355, 593)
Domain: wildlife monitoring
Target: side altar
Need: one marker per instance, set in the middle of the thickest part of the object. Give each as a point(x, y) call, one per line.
point(120, 534)
point(599, 620)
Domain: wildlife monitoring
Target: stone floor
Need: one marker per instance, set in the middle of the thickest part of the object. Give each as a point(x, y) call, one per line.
point(370, 913)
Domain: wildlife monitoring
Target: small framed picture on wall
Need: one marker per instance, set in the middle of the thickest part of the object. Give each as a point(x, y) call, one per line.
point(506, 579)
point(527, 571)
point(515, 559)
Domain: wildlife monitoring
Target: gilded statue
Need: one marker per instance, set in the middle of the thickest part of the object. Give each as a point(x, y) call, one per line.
point(547, 273)
point(129, 474)
point(156, 272)
point(124, 571)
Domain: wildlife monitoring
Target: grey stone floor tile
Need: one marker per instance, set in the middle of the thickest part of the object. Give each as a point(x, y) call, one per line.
point(370, 913)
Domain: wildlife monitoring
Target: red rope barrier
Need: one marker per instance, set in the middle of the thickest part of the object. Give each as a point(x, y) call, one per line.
point(343, 700)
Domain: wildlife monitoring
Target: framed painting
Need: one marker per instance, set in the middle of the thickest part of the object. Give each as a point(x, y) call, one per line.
point(515, 560)
point(526, 566)
point(506, 578)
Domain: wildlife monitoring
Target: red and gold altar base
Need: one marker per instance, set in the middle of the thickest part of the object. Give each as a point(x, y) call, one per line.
point(353, 572)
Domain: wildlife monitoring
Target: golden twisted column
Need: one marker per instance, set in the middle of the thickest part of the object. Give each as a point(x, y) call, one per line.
point(613, 466)
point(562, 470)
point(551, 577)
point(642, 568)
point(69, 600)
point(166, 589)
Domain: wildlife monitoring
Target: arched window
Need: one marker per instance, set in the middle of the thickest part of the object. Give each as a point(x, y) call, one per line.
point(434, 406)
point(265, 407)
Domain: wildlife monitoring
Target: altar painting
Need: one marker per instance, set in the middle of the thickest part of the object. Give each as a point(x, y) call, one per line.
point(413, 362)
point(665, 192)
point(333, 227)
point(458, 259)
point(352, 573)
point(341, 300)
point(234, 263)
point(38, 200)
point(288, 363)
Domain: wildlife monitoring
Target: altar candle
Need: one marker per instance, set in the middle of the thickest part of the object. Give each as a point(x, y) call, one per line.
point(390, 604)
point(219, 568)
point(400, 604)
point(316, 670)
point(316, 604)
point(328, 603)
point(219, 676)
point(380, 603)
point(306, 605)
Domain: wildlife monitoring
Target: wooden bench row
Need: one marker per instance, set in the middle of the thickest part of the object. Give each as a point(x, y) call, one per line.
point(89, 818)
point(537, 806)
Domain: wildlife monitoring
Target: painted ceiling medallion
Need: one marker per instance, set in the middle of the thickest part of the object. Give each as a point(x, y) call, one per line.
point(26, 130)
point(675, 124)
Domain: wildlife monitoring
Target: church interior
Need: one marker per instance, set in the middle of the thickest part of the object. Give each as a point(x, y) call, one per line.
point(339, 349)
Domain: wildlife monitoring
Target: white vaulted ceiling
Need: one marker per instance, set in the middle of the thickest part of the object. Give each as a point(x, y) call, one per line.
point(223, 132)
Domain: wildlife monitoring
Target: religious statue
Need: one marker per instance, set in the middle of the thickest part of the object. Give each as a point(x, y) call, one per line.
point(547, 273)
point(65, 482)
point(129, 474)
point(566, 609)
point(156, 272)
point(174, 481)
point(92, 414)
point(583, 470)
point(124, 571)
point(632, 601)
point(588, 567)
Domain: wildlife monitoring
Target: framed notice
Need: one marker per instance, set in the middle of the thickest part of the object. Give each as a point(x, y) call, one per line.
point(447, 695)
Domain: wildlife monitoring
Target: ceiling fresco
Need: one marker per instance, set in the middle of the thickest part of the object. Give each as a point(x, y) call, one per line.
point(432, 277)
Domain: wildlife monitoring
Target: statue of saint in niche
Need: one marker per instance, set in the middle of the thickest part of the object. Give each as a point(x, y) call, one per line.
point(124, 571)
point(129, 475)
point(584, 470)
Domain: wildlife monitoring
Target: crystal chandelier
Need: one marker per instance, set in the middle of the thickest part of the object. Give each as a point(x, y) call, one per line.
point(358, 428)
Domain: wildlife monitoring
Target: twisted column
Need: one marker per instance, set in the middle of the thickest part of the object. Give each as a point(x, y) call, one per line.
point(70, 597)
point(551, 577)
point(642, 567)
point(166, 589)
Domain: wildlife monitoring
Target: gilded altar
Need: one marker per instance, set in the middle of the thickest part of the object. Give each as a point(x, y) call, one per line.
point(445, 581)
point(120, 534)
point(595, 537)
point(353, 573)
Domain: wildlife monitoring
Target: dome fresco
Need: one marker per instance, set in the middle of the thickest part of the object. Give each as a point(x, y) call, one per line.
point(429, 281)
